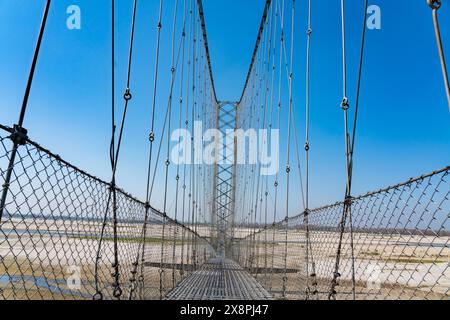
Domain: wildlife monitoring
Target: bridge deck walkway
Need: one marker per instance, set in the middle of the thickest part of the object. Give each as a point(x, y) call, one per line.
point(220, 279)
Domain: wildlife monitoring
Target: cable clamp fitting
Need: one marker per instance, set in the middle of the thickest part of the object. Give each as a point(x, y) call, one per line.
point(345, 104)
point(19, 135)
point(127, 96)
point(151, 137)
point(434, 4)
point(348, 200)
point(307, 146)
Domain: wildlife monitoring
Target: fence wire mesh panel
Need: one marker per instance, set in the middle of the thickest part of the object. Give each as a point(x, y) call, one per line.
point(397, 247)
point(51, 240)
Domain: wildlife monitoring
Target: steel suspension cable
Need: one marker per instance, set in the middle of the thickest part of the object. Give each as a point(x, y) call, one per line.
point(251, 205)
point(186, 141)
point(435, 5)
point(180, 116)
point(283, 56)
point(268, 124)
point(269, 101)
point(288, 150)
point(345, 106)
point(155, 88)
point(191, 64)
point(275, 184)
point(117, 290)
point(266, 52)
point(280, 107)
point(98, 295)
point(117, 293)
point(197, 177)
point(358, 88)
point(151, 142)
point(309, 253)
point(167, 163)
point(19, 134)
point(258, 40)
point(206, 45)
point(113, 85)
point(193, 149)
point(350, 145)
point(112, 156)
point(258, 170)
point(151, 138)
point(164, 128)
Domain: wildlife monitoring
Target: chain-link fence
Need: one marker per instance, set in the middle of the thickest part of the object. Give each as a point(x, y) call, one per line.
point(395, 245)
point(57, 238)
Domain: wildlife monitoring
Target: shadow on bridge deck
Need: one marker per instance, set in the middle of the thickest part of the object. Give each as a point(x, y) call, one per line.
point(220, 279)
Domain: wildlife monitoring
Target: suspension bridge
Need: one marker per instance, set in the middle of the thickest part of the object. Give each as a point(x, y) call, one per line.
point(67, 234)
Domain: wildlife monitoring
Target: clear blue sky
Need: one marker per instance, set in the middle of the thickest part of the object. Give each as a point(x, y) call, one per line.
point(404, 129)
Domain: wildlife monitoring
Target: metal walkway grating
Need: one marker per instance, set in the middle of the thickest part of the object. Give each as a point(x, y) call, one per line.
point(220, 279)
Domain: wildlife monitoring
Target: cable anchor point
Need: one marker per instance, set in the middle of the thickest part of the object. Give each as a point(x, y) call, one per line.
point(151, 137)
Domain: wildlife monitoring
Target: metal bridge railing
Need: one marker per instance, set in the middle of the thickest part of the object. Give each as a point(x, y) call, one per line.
point(398, 247)
point(51, 240)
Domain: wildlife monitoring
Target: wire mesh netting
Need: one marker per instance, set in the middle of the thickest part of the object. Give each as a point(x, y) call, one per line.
point(52, 245)
point(397, 246)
